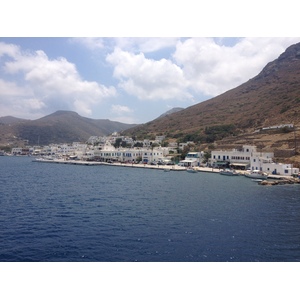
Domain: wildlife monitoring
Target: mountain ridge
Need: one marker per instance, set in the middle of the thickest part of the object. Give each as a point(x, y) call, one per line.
point(58, 127)
point(271, 97)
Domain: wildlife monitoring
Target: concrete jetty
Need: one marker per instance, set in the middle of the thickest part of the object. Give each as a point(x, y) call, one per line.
point(114, 164)
point(280, 179)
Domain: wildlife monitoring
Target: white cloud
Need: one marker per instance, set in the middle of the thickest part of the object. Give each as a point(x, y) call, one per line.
point(92, 43)
point(202, 66)
point(148, 79)
point(120, 109)
point(53, 84)
point(212, 68)
point(145, 45)
point(172, 70)
point(35, 104)
point(131, 44)
point(10, 89)
point(123, 114)
point(8, 49)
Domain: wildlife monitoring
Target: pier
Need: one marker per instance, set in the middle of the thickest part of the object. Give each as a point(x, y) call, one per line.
point(275, 179)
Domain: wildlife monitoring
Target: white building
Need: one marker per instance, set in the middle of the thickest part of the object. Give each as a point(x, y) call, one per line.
point(270, 167)
point(16, 151)
point(109, 153)
point(155, 155)
point(192, 159)
point(182, 145)
point(248, 157)
point(278, 126)
point(235, 157)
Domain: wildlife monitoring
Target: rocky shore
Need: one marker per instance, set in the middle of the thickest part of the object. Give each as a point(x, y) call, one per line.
point(281, 181)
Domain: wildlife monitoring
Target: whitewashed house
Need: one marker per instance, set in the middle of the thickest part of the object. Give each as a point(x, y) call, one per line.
point(270, 167)
point(249, 157)
point(182, 145)
point(109, 153)
point(16, 151)
point(237, 158)
point(192, 159)
point(155, 155)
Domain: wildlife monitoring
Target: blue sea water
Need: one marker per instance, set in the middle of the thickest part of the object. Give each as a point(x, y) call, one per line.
point(73, 213)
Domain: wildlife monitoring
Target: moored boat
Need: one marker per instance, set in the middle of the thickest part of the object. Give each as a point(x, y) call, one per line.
point(229, 172)
point(256, 174)
point(191, 170)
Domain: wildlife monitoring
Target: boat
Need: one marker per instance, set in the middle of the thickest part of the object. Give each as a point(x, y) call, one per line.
point(191, 170)
point(256, 174)
point(167, 170)
point(257, 180)
point(229, 172)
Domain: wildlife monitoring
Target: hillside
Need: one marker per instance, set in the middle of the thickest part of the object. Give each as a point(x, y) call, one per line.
point(59, 127)
point(270, 98)
point(171, 111)
point(11, 120)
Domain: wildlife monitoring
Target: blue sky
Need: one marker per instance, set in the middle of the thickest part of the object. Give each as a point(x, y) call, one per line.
point(119, 70)
point(131, 80)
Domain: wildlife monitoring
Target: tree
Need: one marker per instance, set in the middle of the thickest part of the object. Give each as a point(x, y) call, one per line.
point(124, 144)
point(185, 151)
point(138, 144)
point(118, 143)
point(206, 156)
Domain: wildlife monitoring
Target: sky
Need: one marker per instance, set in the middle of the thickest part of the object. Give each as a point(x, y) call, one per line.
point(130, 80)
point(130, 63)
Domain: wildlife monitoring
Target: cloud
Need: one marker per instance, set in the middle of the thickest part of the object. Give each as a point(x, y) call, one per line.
point(176, 71)
point(131, 44)
point(148, 79)
point(8, 49)
point(92, 43)
point(199, 68)
point(145, 45)
point(212, 68)
point(53, 84)
point(120, 109)
point(123, 114)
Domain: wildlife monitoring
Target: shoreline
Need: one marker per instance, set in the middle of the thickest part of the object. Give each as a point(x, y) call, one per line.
point(128, 165)
point(275, 179)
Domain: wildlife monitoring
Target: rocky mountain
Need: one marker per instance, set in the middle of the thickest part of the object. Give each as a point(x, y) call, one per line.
point(171, 111)
point(59, 127)
point(270, 98)
point(11, 120)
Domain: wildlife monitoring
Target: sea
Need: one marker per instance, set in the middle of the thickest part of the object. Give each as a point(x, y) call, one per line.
point(77, 213)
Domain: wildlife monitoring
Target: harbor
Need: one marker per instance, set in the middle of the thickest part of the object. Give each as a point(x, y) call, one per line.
point(269, 180)
point(128, 165)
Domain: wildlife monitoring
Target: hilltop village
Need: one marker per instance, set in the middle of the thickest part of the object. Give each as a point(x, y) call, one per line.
point(116, 149)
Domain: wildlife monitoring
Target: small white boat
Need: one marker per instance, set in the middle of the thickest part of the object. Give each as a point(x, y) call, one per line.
point(256, 174)
point(167, 170)
point(257, 180)
point(229, 172)
point(191, 170)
